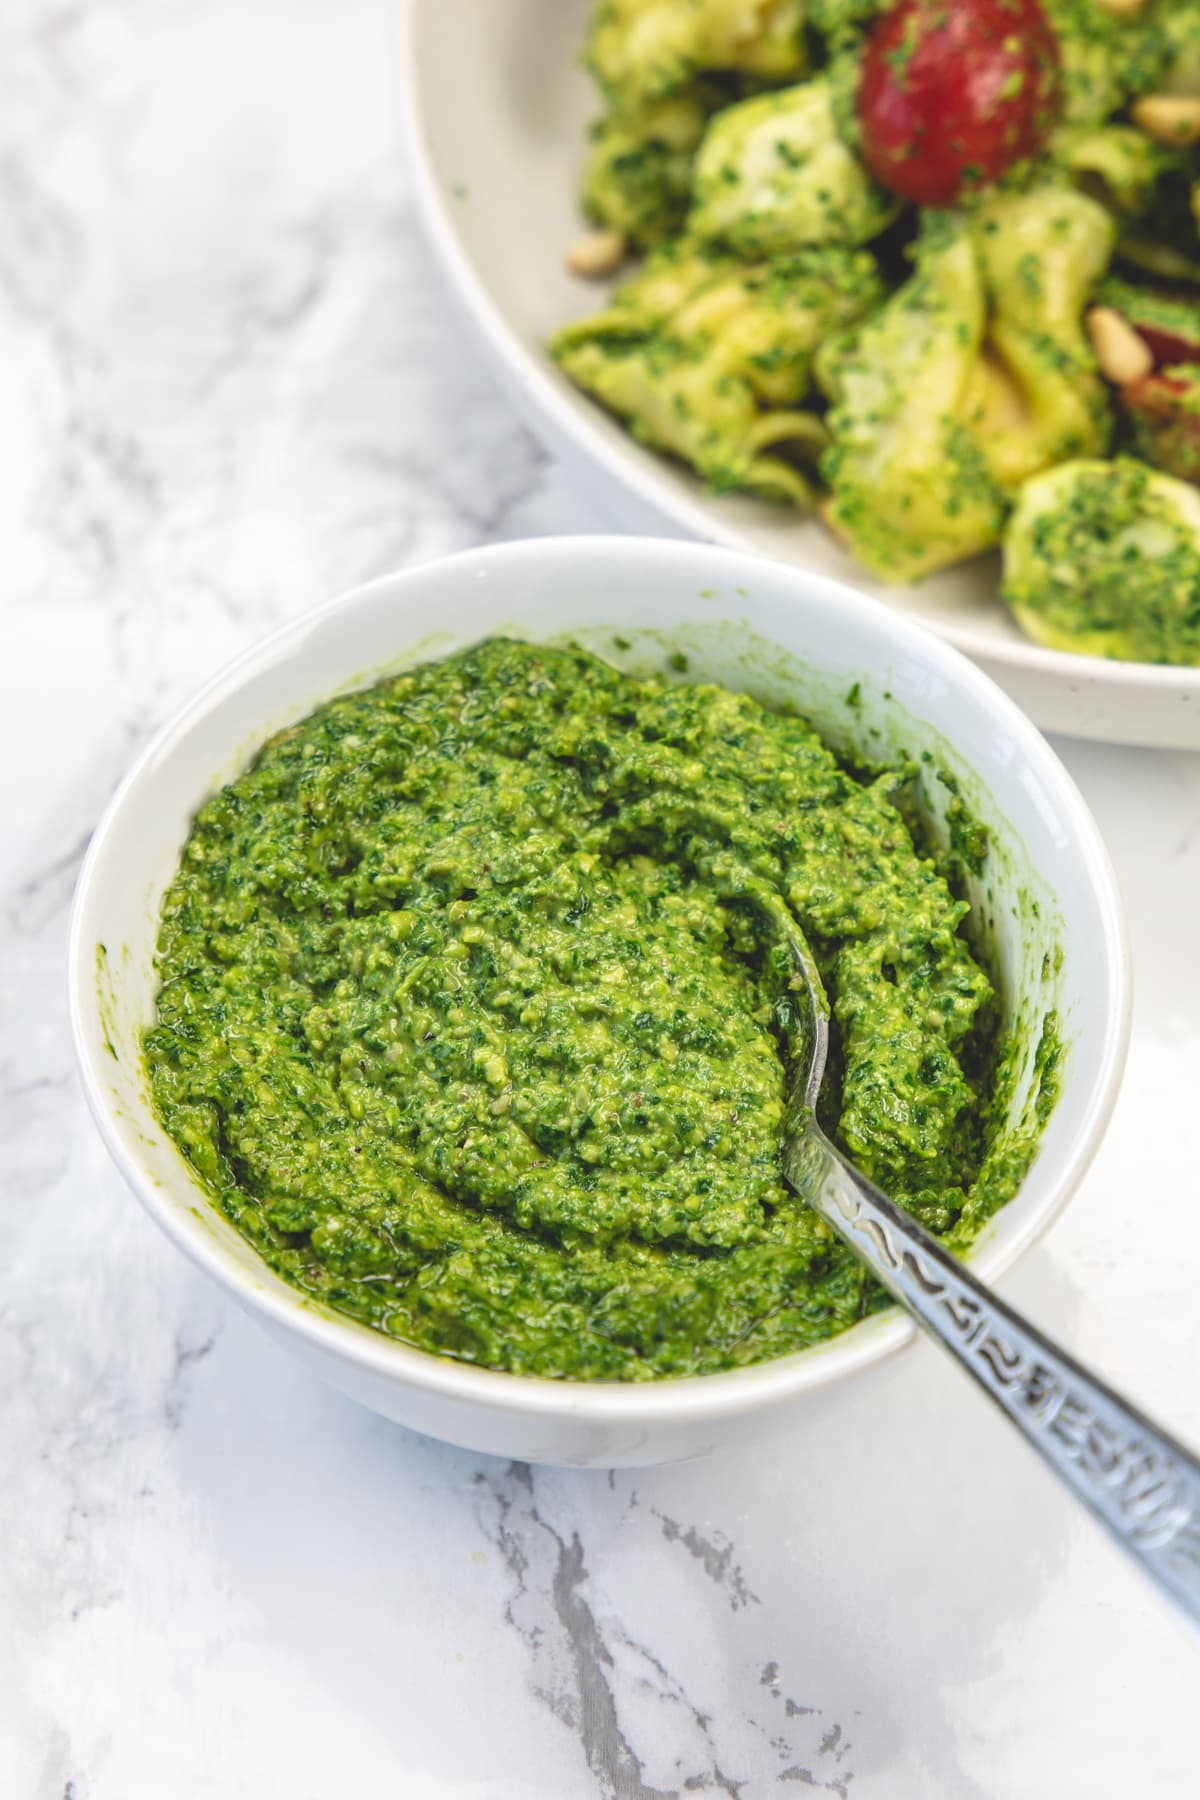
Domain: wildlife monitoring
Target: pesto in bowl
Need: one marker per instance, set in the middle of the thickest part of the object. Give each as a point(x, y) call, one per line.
point(474, 1017)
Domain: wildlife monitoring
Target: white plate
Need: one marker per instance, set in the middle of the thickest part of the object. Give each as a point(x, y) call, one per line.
point(496, 110)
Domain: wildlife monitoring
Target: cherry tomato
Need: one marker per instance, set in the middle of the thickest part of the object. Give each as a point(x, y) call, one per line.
point(953, 92)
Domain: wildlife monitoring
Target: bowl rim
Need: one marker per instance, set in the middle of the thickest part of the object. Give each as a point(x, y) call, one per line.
point(642, 473)
point(677, 1399)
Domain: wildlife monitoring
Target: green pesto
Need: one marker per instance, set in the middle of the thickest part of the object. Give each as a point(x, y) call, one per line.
point(474, 1016)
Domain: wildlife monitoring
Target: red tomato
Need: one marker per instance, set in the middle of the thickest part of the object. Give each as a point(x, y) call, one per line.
point(953, 92)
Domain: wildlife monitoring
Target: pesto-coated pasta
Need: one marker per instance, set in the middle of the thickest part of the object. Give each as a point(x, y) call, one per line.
point(709, 358)
point(640, 50)
point(773, 173)
point(803, 332)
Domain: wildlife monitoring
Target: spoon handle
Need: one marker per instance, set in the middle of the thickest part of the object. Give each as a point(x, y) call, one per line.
point(1142, 1484)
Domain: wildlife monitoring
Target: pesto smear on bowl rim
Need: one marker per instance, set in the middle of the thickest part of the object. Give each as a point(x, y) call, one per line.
point(475, 1016)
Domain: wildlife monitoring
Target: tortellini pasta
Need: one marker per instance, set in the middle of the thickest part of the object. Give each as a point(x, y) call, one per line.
point(1104, 558)
point(1181, 28)
point(773, 174)
point(974, 377)
point(1117, 164)
point(641, 50)
point(910, 490)
point(638, 179)
point(708, 358)
point(1042, 254)
point(1107, 54)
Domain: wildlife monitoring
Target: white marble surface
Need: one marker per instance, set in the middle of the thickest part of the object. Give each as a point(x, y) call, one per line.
point(232, 385)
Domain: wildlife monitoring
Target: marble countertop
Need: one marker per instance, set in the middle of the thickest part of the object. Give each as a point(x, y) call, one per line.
point(233, 386)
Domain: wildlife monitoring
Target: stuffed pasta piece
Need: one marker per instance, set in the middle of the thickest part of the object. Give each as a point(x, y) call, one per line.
point(1108, 54)
point(910, 490)
point(975, 375)
point(774, 173)
point(641, 50)
point(1103, 558)
point(665, 67)
point(1043, 253)
point(708, 358)
point(638, 177)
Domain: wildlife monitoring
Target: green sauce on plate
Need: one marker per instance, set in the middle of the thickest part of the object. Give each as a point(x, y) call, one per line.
point(474, 1016)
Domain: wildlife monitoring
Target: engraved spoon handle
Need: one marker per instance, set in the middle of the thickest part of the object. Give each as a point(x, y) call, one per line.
point(1142, 1484)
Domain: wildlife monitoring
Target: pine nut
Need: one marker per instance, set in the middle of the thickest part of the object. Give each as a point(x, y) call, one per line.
point(1123, 356)
point(598, 254)
point(1169, 118)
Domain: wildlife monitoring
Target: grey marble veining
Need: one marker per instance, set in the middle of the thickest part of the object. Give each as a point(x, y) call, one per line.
point(234, 385)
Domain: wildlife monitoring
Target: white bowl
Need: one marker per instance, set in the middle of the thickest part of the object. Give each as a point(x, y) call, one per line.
point(495, 141)
point(749, 624)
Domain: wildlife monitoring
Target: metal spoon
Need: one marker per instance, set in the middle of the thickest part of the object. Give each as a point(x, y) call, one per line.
point(1142, 1484)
